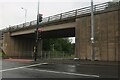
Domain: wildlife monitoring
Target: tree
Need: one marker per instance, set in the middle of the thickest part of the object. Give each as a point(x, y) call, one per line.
point(59, 44)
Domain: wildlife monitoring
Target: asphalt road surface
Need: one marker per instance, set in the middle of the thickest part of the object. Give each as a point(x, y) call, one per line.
point(17, 69)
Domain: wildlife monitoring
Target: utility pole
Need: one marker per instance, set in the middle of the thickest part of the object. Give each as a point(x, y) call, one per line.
point(92, 32)
point(39, 19)
point(36, 41)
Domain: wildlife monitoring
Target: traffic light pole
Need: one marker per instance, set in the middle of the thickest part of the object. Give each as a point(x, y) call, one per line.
point(36, 41)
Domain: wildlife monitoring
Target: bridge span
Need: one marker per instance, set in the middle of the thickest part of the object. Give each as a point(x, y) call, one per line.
point(20, 38)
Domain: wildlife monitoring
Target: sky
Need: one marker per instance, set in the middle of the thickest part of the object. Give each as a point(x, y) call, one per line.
point(11, 13)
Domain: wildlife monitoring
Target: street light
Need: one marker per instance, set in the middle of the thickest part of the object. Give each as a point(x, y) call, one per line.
point(92, 32)
point(25, 13)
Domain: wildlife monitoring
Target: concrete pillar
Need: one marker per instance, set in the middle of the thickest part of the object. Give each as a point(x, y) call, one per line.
point(82, 34)
point(107, 37)
point(8, 44)
point(17, 47)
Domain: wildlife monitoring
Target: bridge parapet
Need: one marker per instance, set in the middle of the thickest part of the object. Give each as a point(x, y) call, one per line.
point(74, 13)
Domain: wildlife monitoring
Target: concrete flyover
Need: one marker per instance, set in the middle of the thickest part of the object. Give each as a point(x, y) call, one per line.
point(19, 40)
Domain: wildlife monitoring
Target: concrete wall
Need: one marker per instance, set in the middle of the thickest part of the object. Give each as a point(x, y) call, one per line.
point(17, 46)
point(106, 36)
point(119, 34)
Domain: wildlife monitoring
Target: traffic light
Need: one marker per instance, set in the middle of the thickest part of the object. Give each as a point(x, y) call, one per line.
point(2, 36)
point(40, 33)
point(40, 17)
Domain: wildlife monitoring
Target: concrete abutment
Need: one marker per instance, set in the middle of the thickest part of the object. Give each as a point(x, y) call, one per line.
point(107, 36)
point(18, 47)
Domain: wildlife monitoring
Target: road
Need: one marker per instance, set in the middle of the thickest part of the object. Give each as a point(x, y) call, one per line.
point(17, 69)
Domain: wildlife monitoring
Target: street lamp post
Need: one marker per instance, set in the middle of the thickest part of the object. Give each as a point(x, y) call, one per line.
point(92, 32)
point(25, 13)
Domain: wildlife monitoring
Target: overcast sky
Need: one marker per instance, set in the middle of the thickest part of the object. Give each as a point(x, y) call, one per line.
point(12, 14)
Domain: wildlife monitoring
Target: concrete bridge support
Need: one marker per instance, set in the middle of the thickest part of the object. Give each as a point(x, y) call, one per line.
point(107, 36)
point(18, 47)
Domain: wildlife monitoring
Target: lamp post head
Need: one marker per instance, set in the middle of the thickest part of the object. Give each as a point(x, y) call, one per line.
point(22, 8)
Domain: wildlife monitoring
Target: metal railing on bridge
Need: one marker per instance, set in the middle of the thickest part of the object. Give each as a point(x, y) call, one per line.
point(74, 13)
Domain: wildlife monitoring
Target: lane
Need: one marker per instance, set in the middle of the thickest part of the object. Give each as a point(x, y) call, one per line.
point(26, 73)
point(21, 67)
point(27, 70)
point(12, 69)
point(34, 73)
point(18, 73)
point(13, 64)
point(76, 74)
point(100, 70)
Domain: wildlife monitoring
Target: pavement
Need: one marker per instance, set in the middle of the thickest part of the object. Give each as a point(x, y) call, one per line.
point(82, 62)
point(19, 60)
point(66, 61)
point(26, 68)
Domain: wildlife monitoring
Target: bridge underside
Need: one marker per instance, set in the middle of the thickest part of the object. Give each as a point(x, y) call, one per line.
point(21, 46)
point(61, 33)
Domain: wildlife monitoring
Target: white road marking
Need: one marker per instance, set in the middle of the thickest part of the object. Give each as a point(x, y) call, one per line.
point(48, 70)
point(87, 75)
point(21, 67)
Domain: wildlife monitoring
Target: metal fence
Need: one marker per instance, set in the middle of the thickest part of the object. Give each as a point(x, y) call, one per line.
point(42, 55)
point(55, 55)
point(74, 13)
